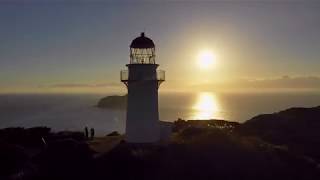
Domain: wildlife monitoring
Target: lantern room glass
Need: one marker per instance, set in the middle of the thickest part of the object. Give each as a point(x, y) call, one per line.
point(142, 55)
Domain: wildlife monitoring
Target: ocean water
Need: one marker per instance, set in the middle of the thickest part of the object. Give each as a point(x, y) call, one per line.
point(74, 112)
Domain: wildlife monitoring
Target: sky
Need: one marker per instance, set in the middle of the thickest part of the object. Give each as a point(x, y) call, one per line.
point(72, 46)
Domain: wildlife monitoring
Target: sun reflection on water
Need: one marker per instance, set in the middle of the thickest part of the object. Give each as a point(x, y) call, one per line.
point(206, 107)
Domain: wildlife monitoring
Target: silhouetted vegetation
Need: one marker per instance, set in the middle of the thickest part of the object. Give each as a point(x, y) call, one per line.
point(181, 124)
point(205, 153)
point(37, 153)
point(31, 137)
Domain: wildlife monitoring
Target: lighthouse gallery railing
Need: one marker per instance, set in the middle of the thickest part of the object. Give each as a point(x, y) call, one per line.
point(160, 76)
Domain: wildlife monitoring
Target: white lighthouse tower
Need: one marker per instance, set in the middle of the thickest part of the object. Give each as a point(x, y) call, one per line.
point(142, 80)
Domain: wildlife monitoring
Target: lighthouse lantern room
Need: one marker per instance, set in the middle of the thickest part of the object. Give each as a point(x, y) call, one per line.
point(142, 80)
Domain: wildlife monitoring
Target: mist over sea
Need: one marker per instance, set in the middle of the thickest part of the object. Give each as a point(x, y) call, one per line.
point(74, 112)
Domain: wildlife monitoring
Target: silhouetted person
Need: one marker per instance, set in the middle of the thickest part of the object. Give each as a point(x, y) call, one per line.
point(92, 133)
point(86, 132)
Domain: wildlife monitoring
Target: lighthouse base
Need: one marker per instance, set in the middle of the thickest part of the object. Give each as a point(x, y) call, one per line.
point(143, 134)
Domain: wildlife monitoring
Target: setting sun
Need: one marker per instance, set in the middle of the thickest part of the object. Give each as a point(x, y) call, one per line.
point(206, 59)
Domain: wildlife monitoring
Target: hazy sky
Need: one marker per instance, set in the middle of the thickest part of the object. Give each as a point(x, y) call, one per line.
point(70, 46)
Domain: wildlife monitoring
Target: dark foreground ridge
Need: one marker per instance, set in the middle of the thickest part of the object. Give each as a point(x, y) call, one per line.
point(282, 145)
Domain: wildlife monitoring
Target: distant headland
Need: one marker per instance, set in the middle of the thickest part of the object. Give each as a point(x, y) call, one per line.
point(113, 102)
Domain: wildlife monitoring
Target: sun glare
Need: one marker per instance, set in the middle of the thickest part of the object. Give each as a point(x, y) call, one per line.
point(206, 59)
point(206, 106)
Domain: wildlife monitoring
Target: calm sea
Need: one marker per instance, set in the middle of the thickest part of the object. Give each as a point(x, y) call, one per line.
point(74, 112)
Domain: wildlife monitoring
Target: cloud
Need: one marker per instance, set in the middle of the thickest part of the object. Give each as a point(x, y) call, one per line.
point(296, 83)
point(83, 85)
point(285, 82)
point(161, 1)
